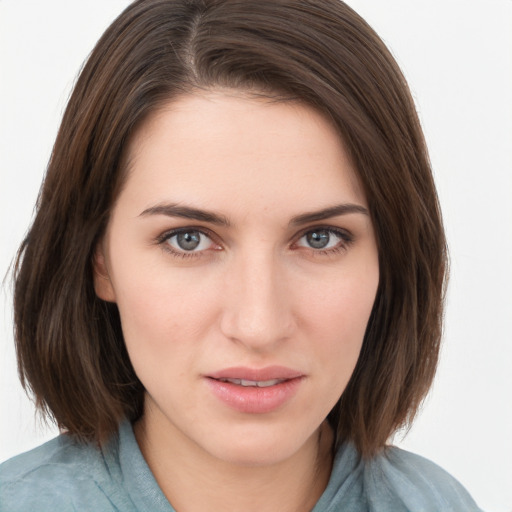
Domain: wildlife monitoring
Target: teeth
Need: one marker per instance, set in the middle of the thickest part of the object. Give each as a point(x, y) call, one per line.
point(254, 383)
point(233, 381)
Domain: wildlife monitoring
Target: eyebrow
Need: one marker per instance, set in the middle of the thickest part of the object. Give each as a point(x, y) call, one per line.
point(327, 213)
point(186, 212)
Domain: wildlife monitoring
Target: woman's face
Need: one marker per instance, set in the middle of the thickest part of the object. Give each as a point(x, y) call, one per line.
point(243, 261)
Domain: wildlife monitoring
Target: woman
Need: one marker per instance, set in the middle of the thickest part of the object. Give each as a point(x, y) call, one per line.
point(231, 294)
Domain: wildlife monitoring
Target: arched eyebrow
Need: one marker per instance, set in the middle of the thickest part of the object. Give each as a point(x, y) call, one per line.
point(186, 212)
point(327, 213)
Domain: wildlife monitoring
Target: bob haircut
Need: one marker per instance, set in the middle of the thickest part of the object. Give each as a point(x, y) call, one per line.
point(70, 348)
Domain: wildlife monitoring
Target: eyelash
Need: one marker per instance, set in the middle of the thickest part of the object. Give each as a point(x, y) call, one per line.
point(163, 239)
point(346, 239)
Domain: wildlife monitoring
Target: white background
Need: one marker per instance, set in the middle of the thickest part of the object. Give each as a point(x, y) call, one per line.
point(457, 56)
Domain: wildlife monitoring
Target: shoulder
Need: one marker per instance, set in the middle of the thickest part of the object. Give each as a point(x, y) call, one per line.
point(412, 482)
point(392, 481)
point(61, 474)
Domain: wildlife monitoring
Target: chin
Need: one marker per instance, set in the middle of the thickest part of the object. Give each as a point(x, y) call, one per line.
point(259, 446)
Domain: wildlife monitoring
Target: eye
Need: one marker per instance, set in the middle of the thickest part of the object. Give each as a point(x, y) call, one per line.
point(323, 239)
point(188, 241)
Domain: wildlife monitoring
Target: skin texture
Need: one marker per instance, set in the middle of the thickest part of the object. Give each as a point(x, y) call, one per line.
point(254, 293)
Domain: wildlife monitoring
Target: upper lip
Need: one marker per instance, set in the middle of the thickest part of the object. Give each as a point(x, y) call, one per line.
point(256, 374)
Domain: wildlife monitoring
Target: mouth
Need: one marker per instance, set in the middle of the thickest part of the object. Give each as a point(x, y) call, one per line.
point(255, 391)
point(254, 383)
point(261, 377)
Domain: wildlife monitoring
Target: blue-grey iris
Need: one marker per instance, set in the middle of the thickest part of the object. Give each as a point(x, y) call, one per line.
point(189, 240)
point(318, 239)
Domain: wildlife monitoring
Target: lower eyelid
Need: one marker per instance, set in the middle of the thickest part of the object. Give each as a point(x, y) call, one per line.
point(176, 252)
point(345, 237)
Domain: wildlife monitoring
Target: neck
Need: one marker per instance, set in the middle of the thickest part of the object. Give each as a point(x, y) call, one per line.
point(194, 481)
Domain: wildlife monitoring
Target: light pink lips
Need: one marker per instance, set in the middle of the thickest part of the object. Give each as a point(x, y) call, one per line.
point(255, 391)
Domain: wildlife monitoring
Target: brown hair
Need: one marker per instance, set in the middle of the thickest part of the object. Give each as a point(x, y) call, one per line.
point(70, 346)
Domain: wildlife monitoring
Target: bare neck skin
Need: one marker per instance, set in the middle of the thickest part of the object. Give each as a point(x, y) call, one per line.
point(194, 481)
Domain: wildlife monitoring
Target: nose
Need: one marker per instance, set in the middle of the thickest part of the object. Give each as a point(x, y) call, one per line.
point(257, 303)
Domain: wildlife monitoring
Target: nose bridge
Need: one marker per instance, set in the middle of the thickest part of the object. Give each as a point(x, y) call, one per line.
point(257, 309)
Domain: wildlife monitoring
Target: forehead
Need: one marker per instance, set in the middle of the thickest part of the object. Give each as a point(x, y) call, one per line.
point(219, 148)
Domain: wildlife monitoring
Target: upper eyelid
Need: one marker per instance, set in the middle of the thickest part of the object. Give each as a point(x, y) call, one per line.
point(343, 232)
point(162, 240)
point(176, 231)
point(209, 232)
point(337, 230)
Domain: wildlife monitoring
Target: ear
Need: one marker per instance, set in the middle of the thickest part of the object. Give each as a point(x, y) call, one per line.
point(102, 283)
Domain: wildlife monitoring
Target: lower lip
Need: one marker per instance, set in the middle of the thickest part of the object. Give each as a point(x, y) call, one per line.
point(252, 399)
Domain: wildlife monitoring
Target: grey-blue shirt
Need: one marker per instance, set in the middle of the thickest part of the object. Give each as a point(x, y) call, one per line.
point(63, 475)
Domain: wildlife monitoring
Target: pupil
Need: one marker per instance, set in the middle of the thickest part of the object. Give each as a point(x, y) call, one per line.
point(318, 239)
point(188, 241)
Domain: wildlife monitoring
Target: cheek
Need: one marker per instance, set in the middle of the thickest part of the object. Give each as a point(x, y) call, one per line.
point(345, 300)
point(161, 312)
point(337, 316)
